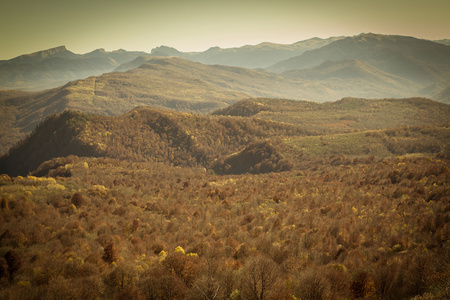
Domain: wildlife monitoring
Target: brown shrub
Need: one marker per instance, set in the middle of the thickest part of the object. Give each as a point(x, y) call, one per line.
point(110, 254)
point(14, 263)
point(77, 200)
point(363, 285)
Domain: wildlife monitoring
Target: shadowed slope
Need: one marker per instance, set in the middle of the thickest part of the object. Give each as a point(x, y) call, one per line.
point(143, 134)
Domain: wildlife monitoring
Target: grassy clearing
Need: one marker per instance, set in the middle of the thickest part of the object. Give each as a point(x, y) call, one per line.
point(379, 143)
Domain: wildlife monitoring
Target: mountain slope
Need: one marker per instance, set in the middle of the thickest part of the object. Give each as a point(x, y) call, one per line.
point(443, 41)
point(417, 60)
point(56, 137)
point(56, 66)
point(172, 82)
point(356, 78)
point(443, 95)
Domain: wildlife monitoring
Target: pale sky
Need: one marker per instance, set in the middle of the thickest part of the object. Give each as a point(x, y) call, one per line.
point(28, 26)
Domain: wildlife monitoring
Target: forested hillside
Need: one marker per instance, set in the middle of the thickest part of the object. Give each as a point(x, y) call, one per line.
point(144, 134)
point(387, 127)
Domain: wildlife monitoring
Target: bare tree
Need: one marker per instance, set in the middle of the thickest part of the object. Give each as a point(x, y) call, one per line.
point(259, 275)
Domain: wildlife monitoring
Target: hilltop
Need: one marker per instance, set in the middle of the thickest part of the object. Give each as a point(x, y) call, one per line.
point(39, 56)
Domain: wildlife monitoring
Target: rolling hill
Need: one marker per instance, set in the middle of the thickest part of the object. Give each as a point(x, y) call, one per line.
point(346, 115)
point(105, 197)
point(280, 131)
point(129, 205)
point(415, 64)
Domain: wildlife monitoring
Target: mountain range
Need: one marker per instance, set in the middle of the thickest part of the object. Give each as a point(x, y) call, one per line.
point(251, 56)
point(421, 61)
point(57, 66)
point(111, 83)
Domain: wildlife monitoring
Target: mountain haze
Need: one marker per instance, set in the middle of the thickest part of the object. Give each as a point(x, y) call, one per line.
point(422, 61)
point(368, 65)
point(249, 56)
point(56, 66)
point(356, 78)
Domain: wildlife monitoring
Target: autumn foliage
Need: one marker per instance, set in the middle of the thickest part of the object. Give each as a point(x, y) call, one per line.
point(195, 207)
point(359, 229)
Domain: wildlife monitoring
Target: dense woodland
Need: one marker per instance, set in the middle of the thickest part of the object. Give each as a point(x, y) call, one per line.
point(116, 229)
point(157, 204)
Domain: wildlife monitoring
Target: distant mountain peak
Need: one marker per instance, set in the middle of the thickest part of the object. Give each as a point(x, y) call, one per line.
point(165, 51)
point(97, 52)
point(49, 52)
point(60, 51)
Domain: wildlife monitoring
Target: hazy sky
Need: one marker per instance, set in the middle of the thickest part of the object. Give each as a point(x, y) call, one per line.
point(27, 26)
